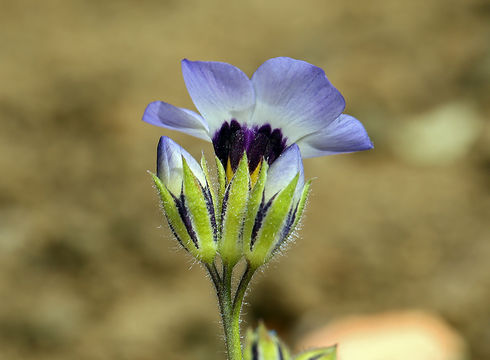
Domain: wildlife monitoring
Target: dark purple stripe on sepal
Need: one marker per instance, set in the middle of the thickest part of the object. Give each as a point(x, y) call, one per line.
point(210, 206)
point(176, 236)
point(279, 351)
point(316, 357)
point(287, 228)
point(259, 218)
point(184, 215)
point(224, 205)
point(255, 350)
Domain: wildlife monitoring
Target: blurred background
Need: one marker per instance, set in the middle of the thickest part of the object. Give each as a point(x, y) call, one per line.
point(88, 269)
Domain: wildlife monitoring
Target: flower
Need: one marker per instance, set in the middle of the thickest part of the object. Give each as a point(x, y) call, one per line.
point(286, 101)
point(260, 129)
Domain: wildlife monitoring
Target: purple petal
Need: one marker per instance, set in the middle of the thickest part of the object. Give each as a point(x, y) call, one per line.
point(294, 96)
point(220, 91)
point(283, 170)
point(345, 134)
point(169, 165)
point(171, 117)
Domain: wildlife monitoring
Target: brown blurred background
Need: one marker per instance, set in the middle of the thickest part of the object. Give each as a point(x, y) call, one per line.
point(88, 272)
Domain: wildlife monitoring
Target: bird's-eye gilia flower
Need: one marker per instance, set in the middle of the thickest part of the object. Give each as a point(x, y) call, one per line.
point(262, 344)
point(260, 128)
point(286, 101)
point(187, 199)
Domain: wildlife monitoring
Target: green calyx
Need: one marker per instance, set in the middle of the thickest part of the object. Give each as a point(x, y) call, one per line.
point(232, 219)
point(234, 209)
point(301, 205)
point(273, 224)
point(173, 217)
point(199, 214)
point(256, 196)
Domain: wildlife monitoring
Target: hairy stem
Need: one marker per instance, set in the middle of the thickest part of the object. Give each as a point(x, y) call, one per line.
point(231, 327)
point(230, 305)
point(239, 296)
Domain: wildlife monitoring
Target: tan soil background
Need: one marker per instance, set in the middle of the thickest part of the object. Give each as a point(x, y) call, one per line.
point(86, 272)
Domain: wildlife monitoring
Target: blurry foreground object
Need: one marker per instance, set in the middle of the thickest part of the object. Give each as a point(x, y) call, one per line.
point(390, 336)
point(262, 344)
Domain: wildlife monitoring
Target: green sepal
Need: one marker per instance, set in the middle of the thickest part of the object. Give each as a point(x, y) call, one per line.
point(272, 225)
point(254, 202)
point(199, 214)
point(173, 217)
point(231, 244)
point(328, 353)
point(268, 346)
point(221, 183)
point(209, 183)
point(301, 205)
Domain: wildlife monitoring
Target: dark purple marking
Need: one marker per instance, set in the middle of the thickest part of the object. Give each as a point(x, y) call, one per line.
point(209, 205)
point(184, 215)
point(279, 351)
point(233, 139)
point(224, 205)
point(316, 357)
point(255, 350)
point(259, 218)
point(286, 230)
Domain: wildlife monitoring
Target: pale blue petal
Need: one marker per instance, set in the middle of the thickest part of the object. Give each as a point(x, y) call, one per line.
point(283, 170)
point(220, 91)
point(169, 165)
point(171, 117)
point(294, 96)
point(345, 134)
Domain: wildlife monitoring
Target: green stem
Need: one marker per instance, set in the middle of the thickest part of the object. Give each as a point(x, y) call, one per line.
point(214, 274)
point(240, 295)
point(231, 327)
point(230, 306)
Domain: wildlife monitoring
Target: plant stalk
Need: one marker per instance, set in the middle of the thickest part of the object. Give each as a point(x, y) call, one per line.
point(230, 325)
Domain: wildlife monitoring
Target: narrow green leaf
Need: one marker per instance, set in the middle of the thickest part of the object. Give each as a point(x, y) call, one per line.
point(173, 217)
point(234, 209)
point(199, 214)
point(272, 225)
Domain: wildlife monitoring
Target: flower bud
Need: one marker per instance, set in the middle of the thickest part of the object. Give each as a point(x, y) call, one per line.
point(262, 344)
point(276, 205)
point(186, 200)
